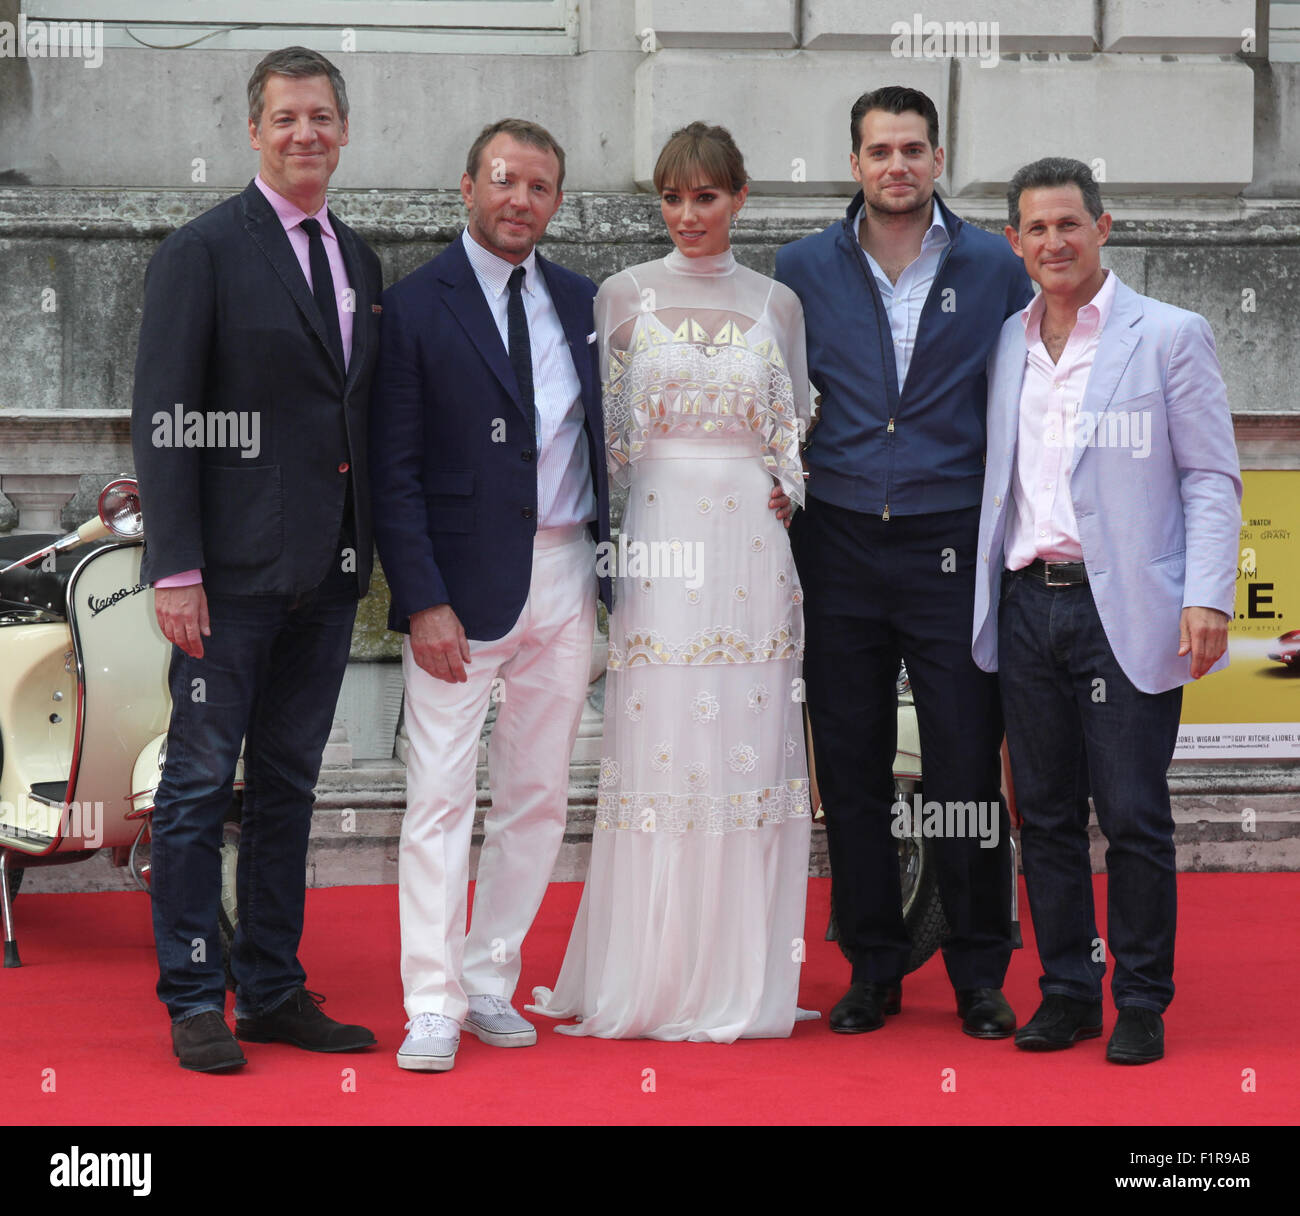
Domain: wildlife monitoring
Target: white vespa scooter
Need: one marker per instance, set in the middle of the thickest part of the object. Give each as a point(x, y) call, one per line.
point(84, 705)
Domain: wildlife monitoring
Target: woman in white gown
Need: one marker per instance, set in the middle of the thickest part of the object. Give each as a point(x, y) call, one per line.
point(691, 920)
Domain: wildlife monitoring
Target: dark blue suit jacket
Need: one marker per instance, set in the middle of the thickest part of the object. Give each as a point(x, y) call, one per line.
point(920, 449)
point(453, 453)
point(231, 328)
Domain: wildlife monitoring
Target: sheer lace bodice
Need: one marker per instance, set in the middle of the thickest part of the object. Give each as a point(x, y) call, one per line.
point(701, 346)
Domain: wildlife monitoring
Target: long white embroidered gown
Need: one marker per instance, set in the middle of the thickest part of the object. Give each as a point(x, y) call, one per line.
point(691, 920)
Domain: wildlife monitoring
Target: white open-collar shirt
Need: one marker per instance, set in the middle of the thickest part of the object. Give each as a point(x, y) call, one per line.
point(1043, 524)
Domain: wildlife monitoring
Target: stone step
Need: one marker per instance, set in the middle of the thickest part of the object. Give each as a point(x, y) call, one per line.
point(358, 818)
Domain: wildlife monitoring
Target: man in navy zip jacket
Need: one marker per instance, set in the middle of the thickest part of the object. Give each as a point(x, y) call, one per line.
point(902, 303)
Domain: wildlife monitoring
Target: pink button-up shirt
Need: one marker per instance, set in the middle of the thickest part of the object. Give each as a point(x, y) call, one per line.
point(1043, 523)
point(291, 217)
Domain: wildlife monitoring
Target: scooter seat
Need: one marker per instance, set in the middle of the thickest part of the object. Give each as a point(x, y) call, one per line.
point(30, 586)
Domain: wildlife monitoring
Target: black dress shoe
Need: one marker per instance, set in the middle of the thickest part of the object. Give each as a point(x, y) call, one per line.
point(864, 1007)
point(299, 1021)
point(985, 1014)
point(1138, 1037)
point(1060, 1022)
point(204, 1043)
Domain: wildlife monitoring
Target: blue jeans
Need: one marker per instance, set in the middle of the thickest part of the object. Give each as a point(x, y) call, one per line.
point(269, 678)
point(1076, 723)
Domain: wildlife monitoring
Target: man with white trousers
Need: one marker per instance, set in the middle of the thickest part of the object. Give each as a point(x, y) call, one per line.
point(489, 497)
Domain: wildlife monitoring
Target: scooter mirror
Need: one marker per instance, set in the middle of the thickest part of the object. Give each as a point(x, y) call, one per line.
point(119, 508)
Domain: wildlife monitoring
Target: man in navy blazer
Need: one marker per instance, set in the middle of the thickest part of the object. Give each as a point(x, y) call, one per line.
point(490, 495)
point(1108, 542)
point(257, 349)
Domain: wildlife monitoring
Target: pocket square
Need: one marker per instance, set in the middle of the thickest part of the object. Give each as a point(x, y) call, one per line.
point(376, 309)
point(591, 337)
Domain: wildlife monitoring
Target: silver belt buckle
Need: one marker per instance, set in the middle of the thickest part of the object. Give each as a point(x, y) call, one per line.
point(1047, 574)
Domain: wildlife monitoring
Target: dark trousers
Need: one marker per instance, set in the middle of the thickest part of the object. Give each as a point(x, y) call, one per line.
point(876, 591)
point(1076, 723)
point(269, 678)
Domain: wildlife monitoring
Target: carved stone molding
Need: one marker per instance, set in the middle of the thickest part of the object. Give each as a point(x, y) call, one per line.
point(64, 441)
point(85, 213)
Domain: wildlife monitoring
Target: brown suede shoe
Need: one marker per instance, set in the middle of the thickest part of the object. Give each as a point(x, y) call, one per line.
point(204, 1043)
point(299, 1021)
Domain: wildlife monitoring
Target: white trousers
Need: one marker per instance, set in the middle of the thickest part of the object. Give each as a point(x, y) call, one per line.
point(537, 674)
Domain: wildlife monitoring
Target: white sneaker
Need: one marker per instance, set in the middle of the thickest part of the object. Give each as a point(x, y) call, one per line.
point(495, 1021)
point(431, 1044)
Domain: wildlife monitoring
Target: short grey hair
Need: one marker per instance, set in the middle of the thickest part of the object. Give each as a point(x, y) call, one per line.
point(300, 63)
point(1053, 171)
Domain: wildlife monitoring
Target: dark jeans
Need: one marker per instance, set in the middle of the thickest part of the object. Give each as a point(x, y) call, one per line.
point(1076, 723)
point(876, 591)
point(269, 677)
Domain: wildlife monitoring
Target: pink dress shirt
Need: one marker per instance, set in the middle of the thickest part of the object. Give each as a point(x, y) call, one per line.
point(291, 216)
point(1043, 523)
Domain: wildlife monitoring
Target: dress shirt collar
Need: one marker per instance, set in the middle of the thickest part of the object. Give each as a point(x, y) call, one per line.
point(291, 215)
point(1093, 314)
point(494, 272)
point(935, 235)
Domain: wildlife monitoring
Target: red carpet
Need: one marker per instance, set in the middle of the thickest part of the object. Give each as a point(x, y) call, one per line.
point(86, 1042)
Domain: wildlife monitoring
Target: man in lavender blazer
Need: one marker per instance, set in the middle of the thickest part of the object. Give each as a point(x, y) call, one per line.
point(1108, 543)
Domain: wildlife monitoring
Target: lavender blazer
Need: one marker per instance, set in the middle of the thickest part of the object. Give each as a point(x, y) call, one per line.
point(1155, 484)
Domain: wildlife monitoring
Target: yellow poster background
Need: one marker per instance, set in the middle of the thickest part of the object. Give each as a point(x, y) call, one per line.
point(1253, 707)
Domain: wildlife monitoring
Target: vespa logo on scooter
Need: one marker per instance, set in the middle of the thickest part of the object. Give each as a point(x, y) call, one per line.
point(98, 605)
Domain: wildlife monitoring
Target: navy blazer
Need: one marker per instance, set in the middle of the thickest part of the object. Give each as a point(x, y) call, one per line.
point(453, 448)
point(231, 334)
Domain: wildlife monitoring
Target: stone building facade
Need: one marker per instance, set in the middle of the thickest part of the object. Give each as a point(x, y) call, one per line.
point(1188, 110)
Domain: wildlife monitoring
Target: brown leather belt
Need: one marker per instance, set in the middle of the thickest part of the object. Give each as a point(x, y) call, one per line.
point(1057, 574)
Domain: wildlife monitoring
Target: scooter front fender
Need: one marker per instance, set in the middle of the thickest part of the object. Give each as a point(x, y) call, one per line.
point(147, 772)
point(907, 761)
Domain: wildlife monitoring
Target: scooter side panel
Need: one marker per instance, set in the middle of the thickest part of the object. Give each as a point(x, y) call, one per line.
point(124, 659)
point(38, 723)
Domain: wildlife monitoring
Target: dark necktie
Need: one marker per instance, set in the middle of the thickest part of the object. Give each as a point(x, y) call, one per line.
point(521, 350)
point(322, 287)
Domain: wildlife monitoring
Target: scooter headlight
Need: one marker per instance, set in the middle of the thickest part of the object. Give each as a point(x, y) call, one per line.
point(119, 508)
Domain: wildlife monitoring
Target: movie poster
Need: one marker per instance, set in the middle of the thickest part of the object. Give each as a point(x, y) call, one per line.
point(1252, 709)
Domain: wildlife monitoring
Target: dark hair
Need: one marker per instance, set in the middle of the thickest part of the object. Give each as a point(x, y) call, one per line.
point(1053, 171)
point(520, 129)
point(699, 153)
point(894, 99)
point(299, 63)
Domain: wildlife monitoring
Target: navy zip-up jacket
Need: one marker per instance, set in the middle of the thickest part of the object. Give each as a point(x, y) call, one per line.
point(874, 449)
